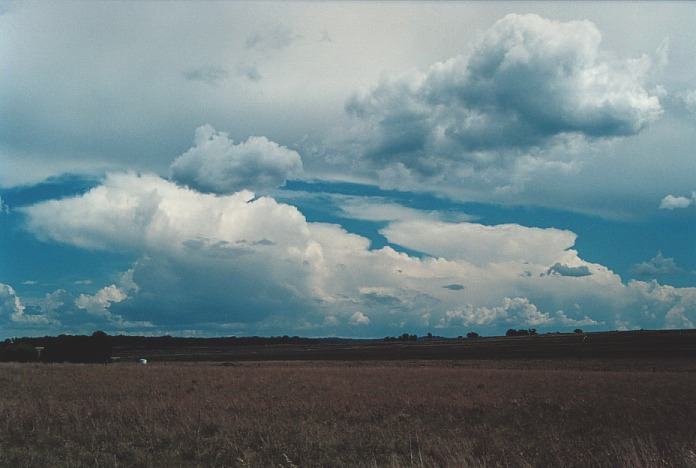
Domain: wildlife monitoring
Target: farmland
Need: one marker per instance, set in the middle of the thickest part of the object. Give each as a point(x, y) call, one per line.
point(397, 413)
point(611, 400)
point(625, 345)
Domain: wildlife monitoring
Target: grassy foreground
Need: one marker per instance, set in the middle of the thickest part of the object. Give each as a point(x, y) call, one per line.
point(348, 414)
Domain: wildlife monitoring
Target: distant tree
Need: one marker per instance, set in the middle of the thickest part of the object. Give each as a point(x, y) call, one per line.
point(521, 332)
point(472, 335)
point(577, 330)
point(99, 347)
point(407, 337)
point(430, 335)
point(65, 348)
point(18, 352)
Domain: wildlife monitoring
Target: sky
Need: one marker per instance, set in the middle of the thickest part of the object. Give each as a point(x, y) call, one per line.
point(354, 169)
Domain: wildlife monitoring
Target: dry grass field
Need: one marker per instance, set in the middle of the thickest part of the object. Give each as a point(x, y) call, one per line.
point(437, 413)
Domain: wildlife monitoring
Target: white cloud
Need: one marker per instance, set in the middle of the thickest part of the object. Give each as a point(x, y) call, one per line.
point(481, 244)
point(13, 311)
point(378, 209)
point(360, 208)
point(657, 266)
point(527, 83)
point(668, 306)
point(671, 202)
point(562, 319)
point(535, 111)
point(688, 98)
point(135, 73)
point(515, 311)
point(10, 305)
point(61, 312)
point(216, 164)
point(99, 303)
point(133, 212)
point(358, 318)
point(206, 261)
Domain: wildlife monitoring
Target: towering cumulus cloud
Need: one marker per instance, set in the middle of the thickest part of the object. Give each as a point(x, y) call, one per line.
point(528, 84)
point(244, 263)
point(216, 164)
point(13, 311)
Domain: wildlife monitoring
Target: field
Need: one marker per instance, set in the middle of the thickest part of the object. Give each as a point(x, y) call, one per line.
point(509, 413)
point(648, 344)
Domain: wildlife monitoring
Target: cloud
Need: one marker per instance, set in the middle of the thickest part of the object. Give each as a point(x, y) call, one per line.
point(480, 244)
point(152, 79)
point(216, 164)
point(13, 311)
point(378, 209)
point(562, 319)
point(674, 306)
point(61, 312)
point(141, 107)
point(659, 265)
point(10, 305)
point(98, 304)
point(380, 295)
point(210, 74)
point(688, 99)
point(527, 82)
point(275, 38)
point(517, 311)
point(567, 270)
point(250, 72)
point(530, 108)
point(671, 202)
point(255, 265)
point(358, 318)
point(132, 212)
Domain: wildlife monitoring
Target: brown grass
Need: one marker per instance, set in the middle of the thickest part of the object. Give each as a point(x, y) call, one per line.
point(313, 414)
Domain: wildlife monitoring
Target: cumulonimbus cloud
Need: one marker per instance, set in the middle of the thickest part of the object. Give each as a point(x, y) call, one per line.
point(254, 265)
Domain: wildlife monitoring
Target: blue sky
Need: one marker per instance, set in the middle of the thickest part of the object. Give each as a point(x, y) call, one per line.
point(351, 169)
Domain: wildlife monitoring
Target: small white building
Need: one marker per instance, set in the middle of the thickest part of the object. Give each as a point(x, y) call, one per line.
point(142, 361)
